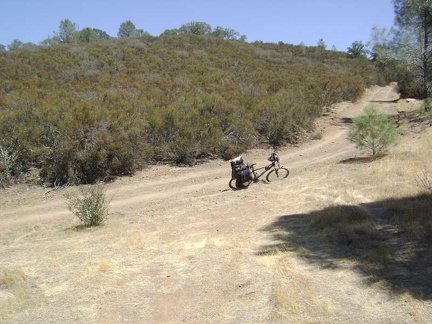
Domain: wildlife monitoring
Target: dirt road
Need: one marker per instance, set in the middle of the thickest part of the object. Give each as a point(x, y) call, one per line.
point(175, 184)
point(180, 246)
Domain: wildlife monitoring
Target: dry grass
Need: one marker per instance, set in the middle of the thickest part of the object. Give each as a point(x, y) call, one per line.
point(366, 216)
point(424, 180)
point(10, 277)
point(292, 293)
point(15, 291)
point(332, 254)
point(376, 221)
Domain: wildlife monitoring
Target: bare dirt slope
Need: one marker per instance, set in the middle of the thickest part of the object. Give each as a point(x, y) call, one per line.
point(180, 246)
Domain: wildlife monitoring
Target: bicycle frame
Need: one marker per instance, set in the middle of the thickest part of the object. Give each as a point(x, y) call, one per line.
point(274, 172)
point(257, 175)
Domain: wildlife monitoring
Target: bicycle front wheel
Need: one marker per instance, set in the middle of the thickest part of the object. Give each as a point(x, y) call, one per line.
point(277, 174)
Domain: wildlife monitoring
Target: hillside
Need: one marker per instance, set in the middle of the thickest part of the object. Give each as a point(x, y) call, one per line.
point(82, 113)
point(180, 246)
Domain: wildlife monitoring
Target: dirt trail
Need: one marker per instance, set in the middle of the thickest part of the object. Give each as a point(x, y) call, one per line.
point(191, 249)
point(209, 179)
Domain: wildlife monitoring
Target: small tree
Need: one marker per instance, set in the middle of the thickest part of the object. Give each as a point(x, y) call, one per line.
point(196, 28)
point(127, 29)
point(90, 205)
point(16, 44)
point(225, 33)
point(88, 35)
point(66, 31)
point(357, 49)
point(321, 44)
point(373, 131)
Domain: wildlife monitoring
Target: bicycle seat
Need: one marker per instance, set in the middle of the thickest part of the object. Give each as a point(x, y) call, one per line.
point(251, 164)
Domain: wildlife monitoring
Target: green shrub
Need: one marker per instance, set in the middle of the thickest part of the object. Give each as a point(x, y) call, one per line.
point(9, 166)
point(88, 112)
point(427, 105)
point(5, 178)
point(90, 205)
point(373, 131)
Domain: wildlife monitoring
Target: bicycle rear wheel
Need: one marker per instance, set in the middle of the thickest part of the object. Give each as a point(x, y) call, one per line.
point(277, 174)
point(236, 184)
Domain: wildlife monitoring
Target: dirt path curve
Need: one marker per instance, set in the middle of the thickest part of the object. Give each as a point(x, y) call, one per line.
point(198, 240)
point(209, 179)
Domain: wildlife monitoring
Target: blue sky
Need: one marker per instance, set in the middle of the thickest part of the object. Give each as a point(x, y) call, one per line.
point(337, 22)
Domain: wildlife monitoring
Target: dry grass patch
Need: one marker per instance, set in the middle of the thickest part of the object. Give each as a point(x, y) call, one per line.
point(12, 276)
point(292, 292)
point(424, 180)
point(16, 292)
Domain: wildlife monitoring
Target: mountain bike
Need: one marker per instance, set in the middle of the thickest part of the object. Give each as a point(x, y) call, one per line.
point(243, 175)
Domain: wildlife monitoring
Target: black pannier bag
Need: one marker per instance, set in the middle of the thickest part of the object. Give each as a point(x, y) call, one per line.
point(239, 170)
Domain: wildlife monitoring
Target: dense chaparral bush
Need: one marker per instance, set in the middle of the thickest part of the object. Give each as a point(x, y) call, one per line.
point(83, 113)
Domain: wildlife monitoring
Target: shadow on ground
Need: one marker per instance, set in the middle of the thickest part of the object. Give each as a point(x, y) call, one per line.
point(389, 241)
point(385, 101)
point(358, 160)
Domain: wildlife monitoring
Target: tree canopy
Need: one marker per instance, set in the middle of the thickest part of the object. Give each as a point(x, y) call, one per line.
point(126, 29)
point(414, 47)
point(66, 31)
point(357, 49)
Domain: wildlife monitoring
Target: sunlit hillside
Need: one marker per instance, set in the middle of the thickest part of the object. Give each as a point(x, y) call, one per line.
point(81, 113)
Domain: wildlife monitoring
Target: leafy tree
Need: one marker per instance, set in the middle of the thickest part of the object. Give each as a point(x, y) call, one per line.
point(67, 29)
point(357, 49)
point(141, 32)
point(380, 44)
point(101, 34)
point(170, 32)
point(50, 41)
point(383, 52)
point(202, 28)
point(196, 28)
point(127, 29)
point(414, 19)
point(225, 33)
point(16, 44)
point(373, 131)
point(321, 44)
point(28, 45)
point(88, 35)
point(2, 48)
